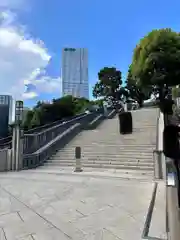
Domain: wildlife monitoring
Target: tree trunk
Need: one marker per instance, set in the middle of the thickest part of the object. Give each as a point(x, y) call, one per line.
point(161, 94)
point(140, 102)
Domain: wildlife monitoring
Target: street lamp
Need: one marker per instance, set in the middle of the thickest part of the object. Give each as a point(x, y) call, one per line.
point(18, 112)
point(17, 141)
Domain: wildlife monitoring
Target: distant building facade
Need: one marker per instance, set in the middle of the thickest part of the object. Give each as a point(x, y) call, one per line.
point(5, 114)
point(74, 72)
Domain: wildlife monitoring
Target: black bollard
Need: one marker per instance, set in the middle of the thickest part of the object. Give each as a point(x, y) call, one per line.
point(125, 123)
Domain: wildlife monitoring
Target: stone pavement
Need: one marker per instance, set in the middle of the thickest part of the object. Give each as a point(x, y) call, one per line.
point(37, 206)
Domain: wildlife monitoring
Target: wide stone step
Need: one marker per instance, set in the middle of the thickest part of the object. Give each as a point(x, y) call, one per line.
point(121, 137)
point(136, 131)
point(60, 170)
point(103, 162)
point(115, 132)
point(108, 151)
point(119, 142)
point(103, 156)
point(89, 158)
point(112, 145)
point(110, 166)
point(121, 145)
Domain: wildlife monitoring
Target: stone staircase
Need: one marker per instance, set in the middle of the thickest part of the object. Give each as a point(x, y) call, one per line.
point(105, 148)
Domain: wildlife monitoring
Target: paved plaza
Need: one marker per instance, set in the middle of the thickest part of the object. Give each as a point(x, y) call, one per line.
point(42, 206)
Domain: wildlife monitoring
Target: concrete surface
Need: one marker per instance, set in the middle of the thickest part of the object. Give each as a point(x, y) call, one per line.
point(95, 172)
point(42, 206)
point(158, 225)
point(5, 159)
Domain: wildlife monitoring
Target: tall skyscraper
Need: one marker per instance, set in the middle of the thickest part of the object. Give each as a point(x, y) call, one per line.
point(74, 72)
point(5, 114)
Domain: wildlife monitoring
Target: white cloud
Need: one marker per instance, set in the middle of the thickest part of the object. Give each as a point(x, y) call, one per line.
point(28, 95)
point(21, 58)
point(47, 84)
point(13, 4)
point(42, 83)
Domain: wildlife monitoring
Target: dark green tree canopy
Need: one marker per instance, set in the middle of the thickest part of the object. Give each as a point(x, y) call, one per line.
point(137, 92)
point(108, 84)
point(65, 107)
point(156, 59)
point(176, 92)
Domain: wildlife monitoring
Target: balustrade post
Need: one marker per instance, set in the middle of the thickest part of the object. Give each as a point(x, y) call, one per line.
point(35, 143)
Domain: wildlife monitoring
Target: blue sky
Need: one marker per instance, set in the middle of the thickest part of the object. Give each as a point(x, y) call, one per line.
point(109, 29)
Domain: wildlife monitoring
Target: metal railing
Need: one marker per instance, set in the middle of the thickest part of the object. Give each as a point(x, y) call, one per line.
point(36, 148)
point(39, 157)
point(6, 142)
point(58, 139)
point(37, 137)
point(33, 142)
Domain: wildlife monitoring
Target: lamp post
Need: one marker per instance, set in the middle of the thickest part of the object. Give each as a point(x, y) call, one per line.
point(19, 112)
point(17, 150)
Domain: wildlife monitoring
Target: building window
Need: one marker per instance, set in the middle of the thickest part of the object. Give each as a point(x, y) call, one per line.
point(69, 49)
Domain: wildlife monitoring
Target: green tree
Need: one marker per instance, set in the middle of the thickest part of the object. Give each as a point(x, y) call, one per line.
point(98, 102)
point(175, 92)
point(39, 104)
point(36, 119)
point(108, 84)
point(27, 121)
point(80, 104)
point(137, 92)
point(156, 61)
point(45, 113)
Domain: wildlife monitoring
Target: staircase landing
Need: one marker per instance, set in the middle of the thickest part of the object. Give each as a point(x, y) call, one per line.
point(42, 206)
point(53, 202)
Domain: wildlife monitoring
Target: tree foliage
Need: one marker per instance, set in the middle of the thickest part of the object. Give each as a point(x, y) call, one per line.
point(44, 113)
point(108, 84)
point(136, 92)
point(156, 60)
point(176, 92)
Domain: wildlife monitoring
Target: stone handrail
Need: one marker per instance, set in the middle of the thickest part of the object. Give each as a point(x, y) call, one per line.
point(165, 169)
point(59, 141)
point(173, 210)
point(49, 125)
point(39, 157)
point(33, 142)
point(36, 148)
point(6, 142)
